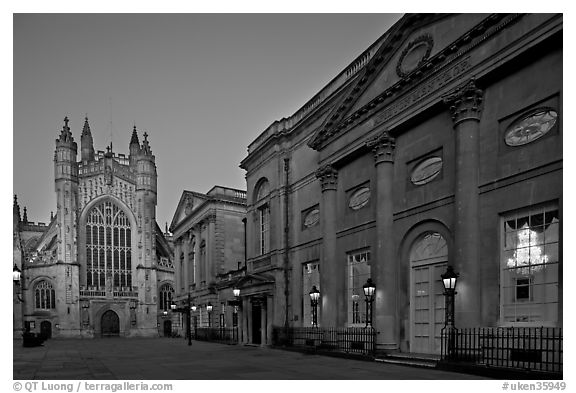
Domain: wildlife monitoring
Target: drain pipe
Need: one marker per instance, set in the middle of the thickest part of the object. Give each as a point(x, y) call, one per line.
point(286, 240)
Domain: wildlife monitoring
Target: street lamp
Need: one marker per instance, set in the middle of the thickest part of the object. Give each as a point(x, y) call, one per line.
point(449, 279)
point(369, 291)
point(209, 309)
point(314, 296)
point(193, 308)
point(16, 274)
point(236, 292)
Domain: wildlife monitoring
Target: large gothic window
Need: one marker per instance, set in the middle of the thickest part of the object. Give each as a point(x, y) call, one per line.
point(166, 293)
point(44, 296)
point(108, 247)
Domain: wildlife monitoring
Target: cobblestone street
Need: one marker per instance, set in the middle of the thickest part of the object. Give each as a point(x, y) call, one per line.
point(172, 359)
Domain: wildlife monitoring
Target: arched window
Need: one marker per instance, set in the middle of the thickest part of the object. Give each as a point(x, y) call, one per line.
point(44, 296)
point(166, 293)
point(263, 216)
point(262, 189)
point(108, 247)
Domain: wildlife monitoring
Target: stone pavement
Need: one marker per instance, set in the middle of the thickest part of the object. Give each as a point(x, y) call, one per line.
point(172, 359)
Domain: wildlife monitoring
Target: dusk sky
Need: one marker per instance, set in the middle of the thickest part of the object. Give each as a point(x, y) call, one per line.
point(203, 86)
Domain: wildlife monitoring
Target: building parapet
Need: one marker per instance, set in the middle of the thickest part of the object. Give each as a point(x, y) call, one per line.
point(286, 124)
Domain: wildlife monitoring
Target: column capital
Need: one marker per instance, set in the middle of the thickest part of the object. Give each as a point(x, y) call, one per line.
point(328, 177)
point(383, 147)
point(465, 102)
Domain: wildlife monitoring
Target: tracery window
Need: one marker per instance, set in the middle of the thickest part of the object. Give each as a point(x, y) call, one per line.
point(108, 247)
point(529, 263)
point(166, 294)
point(44, 296)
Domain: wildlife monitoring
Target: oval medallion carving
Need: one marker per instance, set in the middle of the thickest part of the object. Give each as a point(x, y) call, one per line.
point(312, 218)
point(530, 127)
point(414, 55)
point(426, 170)
point(359, 198)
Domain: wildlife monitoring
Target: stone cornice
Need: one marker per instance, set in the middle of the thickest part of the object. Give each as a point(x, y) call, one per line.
point(450, 55)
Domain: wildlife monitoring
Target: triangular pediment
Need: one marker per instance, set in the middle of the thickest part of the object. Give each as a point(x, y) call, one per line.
point(406, 51)
point(189, 202)
point(253, 279)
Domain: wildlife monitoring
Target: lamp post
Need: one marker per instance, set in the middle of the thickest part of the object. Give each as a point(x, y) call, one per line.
point(449, 280)
point(189, 319)
point(209, 309)
point(193, 308)
point(18, 280)
point(369, 291)
point(236, 293)
point(314, 296)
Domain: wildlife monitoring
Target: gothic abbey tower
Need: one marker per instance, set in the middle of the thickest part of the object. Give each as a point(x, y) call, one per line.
point(97, 268)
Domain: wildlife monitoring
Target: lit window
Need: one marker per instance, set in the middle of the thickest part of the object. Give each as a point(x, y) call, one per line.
point(358, 274)
point(529, 262)
point(108, 246)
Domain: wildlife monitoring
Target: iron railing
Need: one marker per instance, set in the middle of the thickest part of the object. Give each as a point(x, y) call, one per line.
point(538, 349)
point(226, 335)
point(360, 341)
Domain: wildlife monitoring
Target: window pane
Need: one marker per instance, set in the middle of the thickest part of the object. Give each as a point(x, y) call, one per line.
point(529, 279)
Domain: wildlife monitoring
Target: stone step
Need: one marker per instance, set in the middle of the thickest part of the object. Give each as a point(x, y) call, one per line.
point(410, 359)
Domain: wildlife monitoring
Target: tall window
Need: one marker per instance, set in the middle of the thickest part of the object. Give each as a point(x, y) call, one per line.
point(44, 296)
point(264, 227)
point(529, 262)
point(358, 274)
point(261, 200)
point(108, 247)
point(310, 278)
point(166, 293)
point(202, 260)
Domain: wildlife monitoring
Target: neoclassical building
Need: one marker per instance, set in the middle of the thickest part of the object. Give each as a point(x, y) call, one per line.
point(440, 145)
point(208, 234)
point(102, 265)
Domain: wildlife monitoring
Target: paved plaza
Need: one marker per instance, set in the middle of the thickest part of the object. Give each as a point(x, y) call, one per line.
point(172, 359)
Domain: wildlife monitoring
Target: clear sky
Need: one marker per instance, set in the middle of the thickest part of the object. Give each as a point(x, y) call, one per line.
point(203, 86)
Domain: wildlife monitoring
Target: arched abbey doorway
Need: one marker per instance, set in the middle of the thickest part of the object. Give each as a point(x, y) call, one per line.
point(110, 324)
point(428, 260)
point(167, 328)
point(46, 329)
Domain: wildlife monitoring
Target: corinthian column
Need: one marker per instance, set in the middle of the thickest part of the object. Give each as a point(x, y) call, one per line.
point(465, 105)
point(384, 270)
point(331, 289)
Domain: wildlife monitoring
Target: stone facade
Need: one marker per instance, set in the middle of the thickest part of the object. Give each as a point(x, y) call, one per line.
point(96, 269)
point(208, 235)
point(440, 145)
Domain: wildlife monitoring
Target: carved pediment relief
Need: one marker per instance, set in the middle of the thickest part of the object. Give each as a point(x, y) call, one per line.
point(416, 47)
point(189, 202)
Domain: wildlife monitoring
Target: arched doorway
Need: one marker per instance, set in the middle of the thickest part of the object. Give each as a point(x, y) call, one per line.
point(46, 329)
point(428, 260)
point(167, 328)
point(110, 324)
